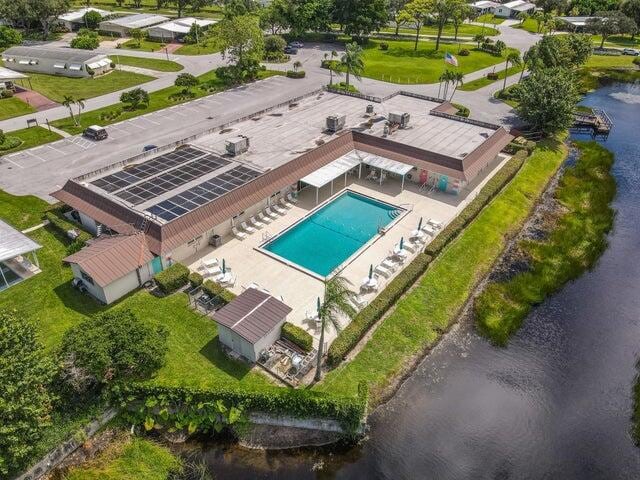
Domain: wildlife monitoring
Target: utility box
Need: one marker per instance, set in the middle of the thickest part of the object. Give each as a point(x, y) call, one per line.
point(215, 241)
point(369, 109)
point(237, 145)
point(336, 123)
point(398, 118)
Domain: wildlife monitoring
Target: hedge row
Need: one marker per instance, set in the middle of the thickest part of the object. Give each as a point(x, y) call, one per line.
point(299, 403)
point(173, 278)
point(296, 74)
point(297, 335)
point(60, 223)
point(490, 190)
point(214, 290)
point(360, 325)
point(195, 279)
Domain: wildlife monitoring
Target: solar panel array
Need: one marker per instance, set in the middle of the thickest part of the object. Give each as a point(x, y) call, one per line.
point(135, 173)
point(202, 193)
point(172, 179)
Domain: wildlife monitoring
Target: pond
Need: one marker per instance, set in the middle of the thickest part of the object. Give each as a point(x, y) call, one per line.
point(556, 403)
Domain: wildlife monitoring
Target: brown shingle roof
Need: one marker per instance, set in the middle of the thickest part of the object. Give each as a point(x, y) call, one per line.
point(110, 258)
point(252, 314)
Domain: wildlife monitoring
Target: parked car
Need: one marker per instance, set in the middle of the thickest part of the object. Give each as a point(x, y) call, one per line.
point(631, 51)
point(95, 132)
point(290, 50)
point(296, 44)
point(146, 148)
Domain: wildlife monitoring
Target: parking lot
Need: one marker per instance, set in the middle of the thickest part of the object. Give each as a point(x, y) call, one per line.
point(41, 170)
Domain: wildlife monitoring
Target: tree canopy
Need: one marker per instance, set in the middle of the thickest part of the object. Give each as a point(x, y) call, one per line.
point(361, 17)
point(571, 50)
point(610, 23)
point(9, 37)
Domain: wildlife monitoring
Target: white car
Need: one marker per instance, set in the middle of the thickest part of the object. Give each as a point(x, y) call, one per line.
point(296, 44)
point(630, 51)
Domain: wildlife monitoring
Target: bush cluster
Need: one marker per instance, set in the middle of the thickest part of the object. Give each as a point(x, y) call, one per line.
point(384, 46)
point(59, 222)
point(195, 279)
point(492, 76)
point(173, 278)
point(299, 403)
point(464, 52)
point(491, 188)
point(297, 335)
point(353, 333)
point(214, 290)
point(296, 74)
point(6, 93)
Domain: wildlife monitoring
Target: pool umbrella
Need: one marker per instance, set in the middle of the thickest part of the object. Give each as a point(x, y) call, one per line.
point(420, 224)
point(370, 271)
point(224, 267)
point(401, 242)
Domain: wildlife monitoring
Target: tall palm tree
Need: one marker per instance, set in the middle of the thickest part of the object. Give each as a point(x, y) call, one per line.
point(80, 104)
point(479, 38)
point(513, 58)
point(68, 102)
point(336, 303)
point(446, 78)
point(528, 58)
point(333, 55)
point(457, 79)
point(353, 61)
point(296, 65)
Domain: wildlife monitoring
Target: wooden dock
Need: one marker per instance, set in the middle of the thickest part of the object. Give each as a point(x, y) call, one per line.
point(597, 123)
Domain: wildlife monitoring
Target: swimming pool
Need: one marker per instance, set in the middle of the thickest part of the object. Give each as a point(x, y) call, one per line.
point(329, 236)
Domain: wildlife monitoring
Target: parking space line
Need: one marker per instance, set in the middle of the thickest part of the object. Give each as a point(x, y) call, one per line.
point(56, 149)
point(11, 161)
point(36, 156)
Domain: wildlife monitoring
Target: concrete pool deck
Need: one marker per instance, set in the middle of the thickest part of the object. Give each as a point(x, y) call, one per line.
point(300, 290)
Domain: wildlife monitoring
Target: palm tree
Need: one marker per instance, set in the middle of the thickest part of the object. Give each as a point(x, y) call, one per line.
point(457, 79)
point(353, 61)
point(522, 16)
point(296, 65)
point(68, 102)
point(479, 38)
point(336, 303)
point(528, 58)
point(80, 104)
point(333, 55)
point(513, 58)
point(446, 78)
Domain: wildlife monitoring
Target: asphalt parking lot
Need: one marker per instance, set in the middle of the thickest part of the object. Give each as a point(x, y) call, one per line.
point(41, 170)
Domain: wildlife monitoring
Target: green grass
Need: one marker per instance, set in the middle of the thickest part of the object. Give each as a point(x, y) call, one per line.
point(464, 30)
point(21, 212)
point(150, 63)
point(574, 243)
point(14, 107)
point(31, 137)
point(490, 19)
point(198, 49)
point(157, 101)
point(56, 87)
point(484, 81)
point(422, 315)
point(142, 46)
point(129, 458)
point(530, 25)
point(617, 41)
point(600, 61)
point(401, 64)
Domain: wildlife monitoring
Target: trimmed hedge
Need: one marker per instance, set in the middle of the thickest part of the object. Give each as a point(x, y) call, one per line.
point(172, 278)
point(142, 401)
point(353, 333)
point(213, 289)
point(62, 225)
point(490, 190)
point(195, 279)
point(297, 335)
point(294, 74)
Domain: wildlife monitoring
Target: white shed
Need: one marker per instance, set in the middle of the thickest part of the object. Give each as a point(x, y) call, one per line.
point(251, 322)
point(176, 29)
point(122, 26)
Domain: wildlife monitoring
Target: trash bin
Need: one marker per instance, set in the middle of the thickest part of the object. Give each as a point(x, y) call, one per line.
point(215, 240)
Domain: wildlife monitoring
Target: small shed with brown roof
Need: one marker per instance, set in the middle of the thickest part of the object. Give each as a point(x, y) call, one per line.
point(251, 322)
point(110, 267)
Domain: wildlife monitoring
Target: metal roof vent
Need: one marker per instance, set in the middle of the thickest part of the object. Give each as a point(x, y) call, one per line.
point(237, 145)
point(336, 123)
point(401, 119)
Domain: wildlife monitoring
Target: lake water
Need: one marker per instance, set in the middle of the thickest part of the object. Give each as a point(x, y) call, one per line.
point(554, 404)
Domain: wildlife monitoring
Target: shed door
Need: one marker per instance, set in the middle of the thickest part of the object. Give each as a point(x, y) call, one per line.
point(156, 264)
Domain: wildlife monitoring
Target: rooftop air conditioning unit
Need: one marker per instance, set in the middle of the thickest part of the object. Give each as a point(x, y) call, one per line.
point(237, 145)
point(401, 119)
point(336, 122)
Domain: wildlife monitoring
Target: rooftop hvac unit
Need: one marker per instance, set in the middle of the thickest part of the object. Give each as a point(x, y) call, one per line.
point(369, 109)
point(401, 119)
point(237, 145)
point(336, 122)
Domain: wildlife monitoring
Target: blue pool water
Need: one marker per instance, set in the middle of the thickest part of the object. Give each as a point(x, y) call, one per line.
point(328, 237)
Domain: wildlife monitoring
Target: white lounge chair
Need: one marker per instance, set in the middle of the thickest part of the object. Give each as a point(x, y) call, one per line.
point(238, 234)
point(271, 213)
point(382, 270)
point(212, 262)
point(429, 229)
point(256, 223)
point(291, 198)
point(408, 246)
point(435, 223)
point(263, 218)
point(389, 264)
point(212, 271)
point(358, 301)
point(278, 210)
point(247, 228)
point(283, 203)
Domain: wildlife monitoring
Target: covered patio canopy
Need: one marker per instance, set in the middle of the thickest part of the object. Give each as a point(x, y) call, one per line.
point(333, 170)
point(13, 244)
point(391, 166)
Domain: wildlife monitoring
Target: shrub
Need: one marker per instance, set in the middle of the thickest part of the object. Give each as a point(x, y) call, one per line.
point(384, 46)
point(86, 40)
point(173, 278)
point(636, 61)
point(110, 347)
point(59, 222)
point(135, 98)
point(273, 45)
point(9, 37)
point(462, 110)
point(490, 190)
point(342, 87)
point(92, 19)
point(214, 290)
point(464, 52)
point(353, 333)
point(4, 93)
point(195, 279)
point(298, 336)
point(492, 76)
point(294, 74)
point(9, 143)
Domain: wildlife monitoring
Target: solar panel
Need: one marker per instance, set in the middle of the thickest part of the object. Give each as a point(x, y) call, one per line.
point(135, 172)
point(172, 179)
point(202, 193)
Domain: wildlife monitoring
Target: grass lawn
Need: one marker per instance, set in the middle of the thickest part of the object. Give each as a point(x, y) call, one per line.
point(422, 315)
point(197, 49)
point(617, 41)
point(157, 101)
point(129, 458)
point(56, 87)
point(401, 64)
point(489, 18)
point(484, 81)
point(465, 30)
point(21, 211)
point(143, 46)
point(14, 107)
point(600, 61)
point(530, 25)
point(150, 63)
point(31, 137)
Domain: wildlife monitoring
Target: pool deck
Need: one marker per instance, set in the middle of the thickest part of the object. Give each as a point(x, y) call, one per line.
point(300, 290)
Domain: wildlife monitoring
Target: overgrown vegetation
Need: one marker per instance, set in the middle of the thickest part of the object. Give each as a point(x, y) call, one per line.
point(574, 243)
